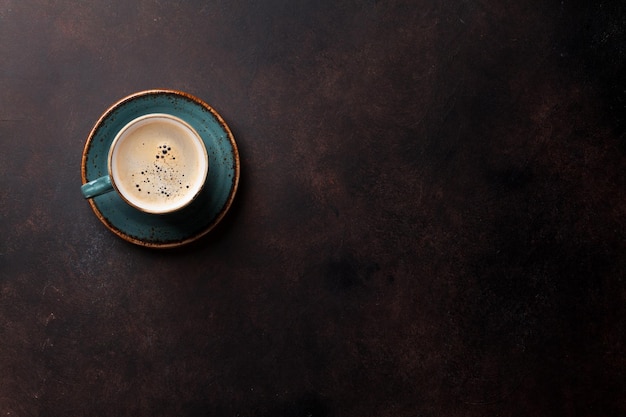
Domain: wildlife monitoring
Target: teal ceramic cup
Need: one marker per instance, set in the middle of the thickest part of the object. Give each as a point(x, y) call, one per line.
point(157, 164)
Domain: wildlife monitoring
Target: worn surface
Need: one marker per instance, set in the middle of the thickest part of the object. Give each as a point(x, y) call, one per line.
point(430, 221)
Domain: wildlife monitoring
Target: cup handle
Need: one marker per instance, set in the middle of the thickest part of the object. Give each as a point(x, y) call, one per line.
point(97, 187)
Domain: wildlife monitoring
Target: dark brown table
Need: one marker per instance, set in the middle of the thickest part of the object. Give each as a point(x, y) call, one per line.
point(430, 220)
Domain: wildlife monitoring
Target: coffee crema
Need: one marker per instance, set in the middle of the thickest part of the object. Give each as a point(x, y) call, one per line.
point(158, 163)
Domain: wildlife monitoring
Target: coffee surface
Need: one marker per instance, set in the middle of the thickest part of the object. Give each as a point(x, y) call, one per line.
point(158, 164)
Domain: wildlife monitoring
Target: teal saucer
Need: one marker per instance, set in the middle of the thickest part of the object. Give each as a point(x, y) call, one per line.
point(205, 212)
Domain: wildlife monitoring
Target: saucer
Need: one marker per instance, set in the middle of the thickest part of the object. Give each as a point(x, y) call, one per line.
point(193, 221)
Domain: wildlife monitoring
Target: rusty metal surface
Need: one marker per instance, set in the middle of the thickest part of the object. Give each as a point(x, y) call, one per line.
point(430, 219)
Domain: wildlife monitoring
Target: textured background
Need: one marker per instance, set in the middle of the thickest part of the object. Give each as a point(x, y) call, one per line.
point(431, 218)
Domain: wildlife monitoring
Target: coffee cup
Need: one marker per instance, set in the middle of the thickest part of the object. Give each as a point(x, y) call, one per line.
point(157, 163)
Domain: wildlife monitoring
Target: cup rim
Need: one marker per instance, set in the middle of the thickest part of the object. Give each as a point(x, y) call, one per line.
point(196, 137)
